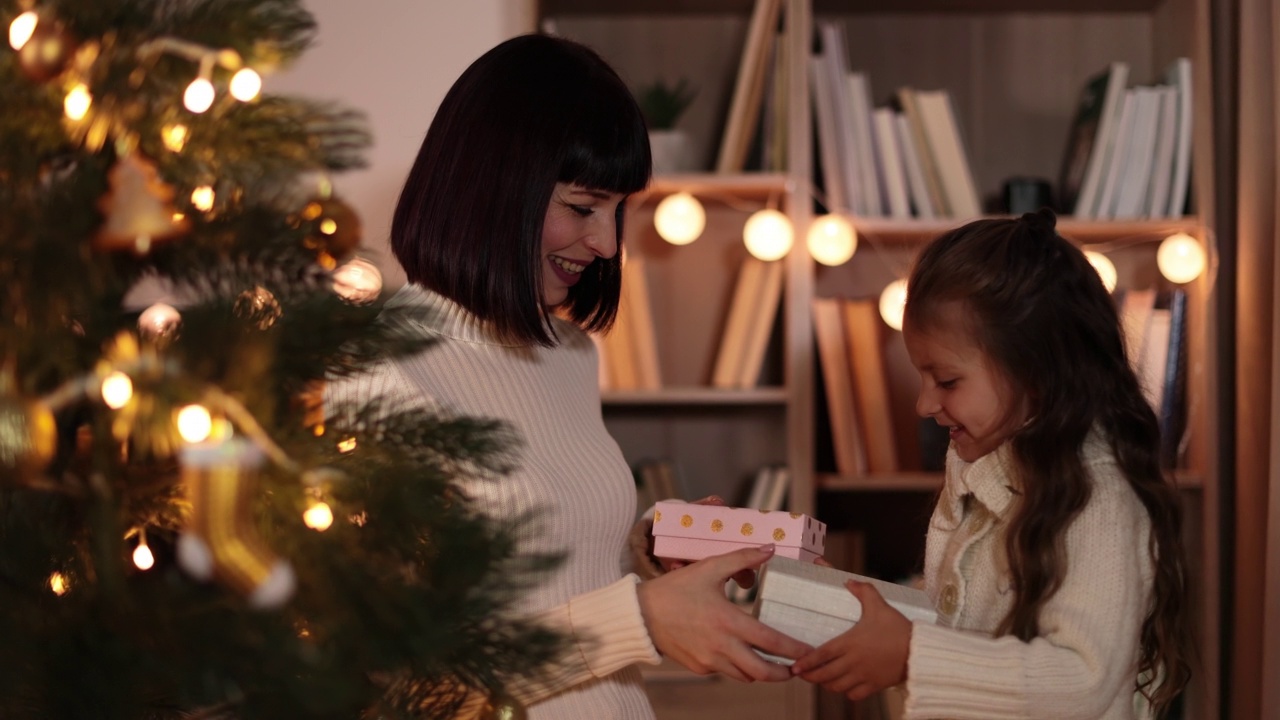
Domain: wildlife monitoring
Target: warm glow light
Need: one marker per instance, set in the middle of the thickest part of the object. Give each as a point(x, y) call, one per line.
point(1106, 269)
point(357, 281)
point(832, 240)
point(679, 218)
point(1181, 258)
point(768, 235)
point(346, 446)
point(142, 556)
point(117, 390)
point(158, 320)
point(245, 84)
point(77, 102)
point(893, 300)
point(199, 95)
point(58, 584)
point(202, 198)
point(318, 516)
point(21, 28)
point(195, 424)
point(174, 137)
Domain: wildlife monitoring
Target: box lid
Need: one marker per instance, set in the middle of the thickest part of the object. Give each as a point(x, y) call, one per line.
point(821, 589)
point(718, 522)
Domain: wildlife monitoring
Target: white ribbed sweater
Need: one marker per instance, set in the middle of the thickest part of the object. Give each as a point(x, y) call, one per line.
point(1084, 663)
point(569, 469)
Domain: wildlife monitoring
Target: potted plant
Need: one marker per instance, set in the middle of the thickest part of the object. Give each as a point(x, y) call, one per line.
point(662, 105)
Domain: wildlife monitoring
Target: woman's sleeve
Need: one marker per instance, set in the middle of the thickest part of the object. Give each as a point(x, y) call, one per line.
point(606, 633)
point(1085, 656)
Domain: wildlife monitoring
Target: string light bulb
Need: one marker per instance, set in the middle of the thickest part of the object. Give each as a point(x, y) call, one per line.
point(21, 29)
point(679, 218)
point(202, 198)
point(768, 234)
point(59, 584)
point(117, 390)
point(174, 137)
point(318, 516)
point(893, 301)
point(832, 240)
point(1105, 268)
point(245, 84)
point(195, 424)
point(77, 102)
point(143, 558)
point(1180, 258)
point(199, 95)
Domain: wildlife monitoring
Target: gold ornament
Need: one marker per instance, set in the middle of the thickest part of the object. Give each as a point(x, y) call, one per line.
point(220, 539)
point(47, 53)
point(334, 229)
point(259, 307)
point(503, 707)
point(138, 208)
point(28, 435)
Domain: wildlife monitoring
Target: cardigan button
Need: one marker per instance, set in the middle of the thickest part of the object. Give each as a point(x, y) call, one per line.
point(950, 597)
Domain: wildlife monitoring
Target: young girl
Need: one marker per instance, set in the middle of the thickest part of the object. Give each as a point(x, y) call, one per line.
point(1053, 556)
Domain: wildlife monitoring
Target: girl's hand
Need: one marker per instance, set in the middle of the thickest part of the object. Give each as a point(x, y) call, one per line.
point(868, 657)
point(691, 621)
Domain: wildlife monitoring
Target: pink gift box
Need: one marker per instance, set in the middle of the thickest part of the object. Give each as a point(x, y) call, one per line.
point(683, 531)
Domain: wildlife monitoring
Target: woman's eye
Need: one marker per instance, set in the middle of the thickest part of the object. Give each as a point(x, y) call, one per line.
point(582, 210)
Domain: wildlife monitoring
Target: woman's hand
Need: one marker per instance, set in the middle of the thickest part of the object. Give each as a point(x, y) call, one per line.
point(866, 658)
point(693, 623)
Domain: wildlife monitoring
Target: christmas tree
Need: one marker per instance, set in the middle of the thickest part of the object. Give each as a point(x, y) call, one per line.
point(185, 529)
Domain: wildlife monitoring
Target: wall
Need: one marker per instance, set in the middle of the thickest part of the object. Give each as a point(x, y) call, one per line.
point(394, 60)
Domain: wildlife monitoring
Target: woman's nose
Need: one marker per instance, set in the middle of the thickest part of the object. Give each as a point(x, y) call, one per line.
point(603, 240)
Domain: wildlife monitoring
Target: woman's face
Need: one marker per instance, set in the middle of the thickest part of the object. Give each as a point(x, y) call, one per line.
point(581, 226)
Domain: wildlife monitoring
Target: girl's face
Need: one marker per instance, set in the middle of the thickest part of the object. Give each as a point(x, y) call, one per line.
point(580, 226)
point(960, 387)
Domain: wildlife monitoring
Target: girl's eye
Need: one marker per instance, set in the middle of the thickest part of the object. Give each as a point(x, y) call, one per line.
point(947, 384)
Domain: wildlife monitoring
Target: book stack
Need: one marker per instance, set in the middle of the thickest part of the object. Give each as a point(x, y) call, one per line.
point(902, 160)
point(1129, 151)
point(1155, 335)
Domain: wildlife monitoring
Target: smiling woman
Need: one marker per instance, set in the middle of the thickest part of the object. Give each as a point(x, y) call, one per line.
point(509, 230)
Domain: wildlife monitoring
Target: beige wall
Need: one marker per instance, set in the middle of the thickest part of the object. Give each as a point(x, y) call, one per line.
point(394, 60)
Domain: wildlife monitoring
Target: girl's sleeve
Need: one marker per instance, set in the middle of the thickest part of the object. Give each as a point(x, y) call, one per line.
point(1085, 656)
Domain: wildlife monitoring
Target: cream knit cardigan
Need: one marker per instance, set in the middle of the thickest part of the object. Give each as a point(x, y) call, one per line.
point(1084, 663)
point(569, 469)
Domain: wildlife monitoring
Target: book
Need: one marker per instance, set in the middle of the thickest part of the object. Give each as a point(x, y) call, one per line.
point(1173, 412)
point(837, 377)
point(863, 328)
point(921, 204)
point(955, 177)
point(1178, 75)
point(827, 136)
point(1158, 191)
point(744, 107)
point(760, 324)
point(1135, 176)
point(752, 311)
point(889, 161)
point(639, 323)
point(1118, 158)
point(1089, 142)
point(1135, 317)
point(907, 99)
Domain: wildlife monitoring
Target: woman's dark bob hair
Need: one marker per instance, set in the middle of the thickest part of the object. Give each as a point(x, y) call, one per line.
point(533, 111)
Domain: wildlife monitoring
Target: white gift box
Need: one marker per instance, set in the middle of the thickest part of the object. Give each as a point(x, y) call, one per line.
point(811, 604)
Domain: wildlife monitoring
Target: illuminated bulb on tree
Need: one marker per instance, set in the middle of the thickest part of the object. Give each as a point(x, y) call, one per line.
point(832, 240)
point(679, 218)
point(198, 96)
point(143, 559)
point(358, 281)
point(202, 198)
point(245, 84)
point(1106, 269)
point(318, 516)
point(768, 235)
point(1180, 258)
point(174, 137)
point(893, 300)
point(76, 104)
point(195, 424)
point(21, 28)
point(59, 584)
point(117, 390)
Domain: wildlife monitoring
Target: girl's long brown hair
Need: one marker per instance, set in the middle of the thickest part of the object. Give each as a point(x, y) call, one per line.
point(1039, 310)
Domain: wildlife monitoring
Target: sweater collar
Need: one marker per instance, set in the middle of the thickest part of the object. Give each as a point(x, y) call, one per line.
point(440, 315)
point(989, 479)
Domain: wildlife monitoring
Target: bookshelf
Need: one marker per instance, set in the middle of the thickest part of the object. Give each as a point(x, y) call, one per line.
point(1014, 70)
